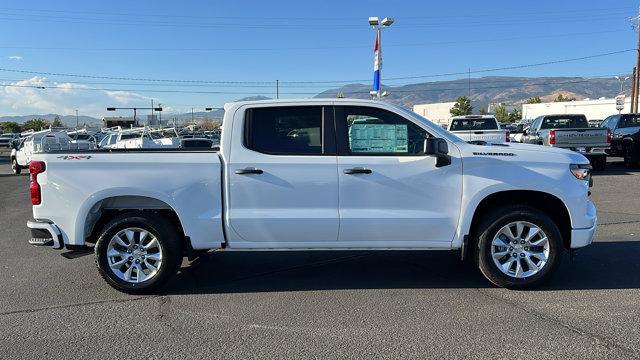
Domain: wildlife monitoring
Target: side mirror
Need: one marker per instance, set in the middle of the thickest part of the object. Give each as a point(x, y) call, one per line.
point(439, 148)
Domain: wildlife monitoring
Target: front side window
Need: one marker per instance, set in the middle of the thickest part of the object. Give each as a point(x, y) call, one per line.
point(376, 131)
point(291, 130)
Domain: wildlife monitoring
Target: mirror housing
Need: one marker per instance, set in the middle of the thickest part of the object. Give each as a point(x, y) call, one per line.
point(439, 148)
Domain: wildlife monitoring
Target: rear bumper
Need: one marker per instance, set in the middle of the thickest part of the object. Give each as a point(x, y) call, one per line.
point(44, 233)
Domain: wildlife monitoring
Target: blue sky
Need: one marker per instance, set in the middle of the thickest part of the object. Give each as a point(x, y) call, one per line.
point(287, 40)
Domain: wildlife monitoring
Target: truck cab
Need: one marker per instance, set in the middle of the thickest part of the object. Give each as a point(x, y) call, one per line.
point(625, 137)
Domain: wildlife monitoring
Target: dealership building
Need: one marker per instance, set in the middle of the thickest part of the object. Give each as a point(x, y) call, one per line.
point(593, 109)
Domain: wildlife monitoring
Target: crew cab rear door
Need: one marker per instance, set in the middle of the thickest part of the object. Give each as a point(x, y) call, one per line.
point(391, 194)
point(282, 174)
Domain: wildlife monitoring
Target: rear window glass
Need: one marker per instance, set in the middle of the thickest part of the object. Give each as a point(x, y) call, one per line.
point(474, 124)
point(564, 122)
point(291, 130)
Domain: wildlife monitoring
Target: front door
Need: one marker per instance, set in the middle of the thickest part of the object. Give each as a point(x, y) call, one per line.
point(283, 182)
point(391, 194)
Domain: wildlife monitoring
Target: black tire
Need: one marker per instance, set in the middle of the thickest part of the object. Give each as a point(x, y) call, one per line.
point(631, 160)
point(15, 167)
point(166, 234)
point(599, 163)
point(489, 228)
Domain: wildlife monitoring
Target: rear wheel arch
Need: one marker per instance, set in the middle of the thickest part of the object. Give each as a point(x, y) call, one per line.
point(103, 210)
point(545, 202)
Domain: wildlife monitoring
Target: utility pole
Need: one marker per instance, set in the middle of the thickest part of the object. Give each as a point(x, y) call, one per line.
point(76, 119)
point(148, 122)
point(636, 77)
point(277, 89)
point(634, 89)
point(191, 115)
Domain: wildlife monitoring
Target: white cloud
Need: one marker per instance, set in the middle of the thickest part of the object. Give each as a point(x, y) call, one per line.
point(14, 57)
point(63, 98)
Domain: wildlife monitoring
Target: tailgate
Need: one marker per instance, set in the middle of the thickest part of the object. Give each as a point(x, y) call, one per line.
point(581, 137)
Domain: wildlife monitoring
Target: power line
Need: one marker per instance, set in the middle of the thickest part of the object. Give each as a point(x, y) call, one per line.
point(321, 48)
point(46, 73)
point(462, 88)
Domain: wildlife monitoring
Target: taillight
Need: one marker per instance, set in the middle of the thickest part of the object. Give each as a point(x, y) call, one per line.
point(552, 137)
point(35, 168)
point(609, 136)
point(507, 137)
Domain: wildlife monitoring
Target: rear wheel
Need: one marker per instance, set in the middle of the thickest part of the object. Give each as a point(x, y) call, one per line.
point(518, 247)
point(630, 156)
point(599, 163)
point(15, 167)
point(138, 252)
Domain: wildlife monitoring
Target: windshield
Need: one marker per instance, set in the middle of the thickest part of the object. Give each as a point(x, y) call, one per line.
point(474, 124)
point(564, 122)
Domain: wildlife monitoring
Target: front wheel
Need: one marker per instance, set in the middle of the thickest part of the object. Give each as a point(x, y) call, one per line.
point(518, 247)
point(15, 167)
point(137, 252)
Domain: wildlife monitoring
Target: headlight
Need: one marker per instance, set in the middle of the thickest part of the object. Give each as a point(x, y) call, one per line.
point(581, 171)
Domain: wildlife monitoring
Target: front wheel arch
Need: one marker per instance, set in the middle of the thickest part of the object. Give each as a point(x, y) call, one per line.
point(545, 202)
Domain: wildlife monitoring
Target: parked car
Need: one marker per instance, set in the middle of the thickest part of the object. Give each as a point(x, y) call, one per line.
point(625, 137)
point(140, 138)
point(517, 132)
point(305, 175)
point(571, 131)
point(33, 142)
point(9, 140)
point(478, 128)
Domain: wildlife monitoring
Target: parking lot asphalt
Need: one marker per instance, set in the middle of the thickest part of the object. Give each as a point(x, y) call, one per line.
point(407, 304)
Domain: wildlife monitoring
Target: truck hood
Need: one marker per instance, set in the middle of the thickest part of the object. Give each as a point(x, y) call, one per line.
point(525, 153)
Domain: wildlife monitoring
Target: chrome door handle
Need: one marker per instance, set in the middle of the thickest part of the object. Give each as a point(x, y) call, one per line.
point(248, 171)
point(354, 171)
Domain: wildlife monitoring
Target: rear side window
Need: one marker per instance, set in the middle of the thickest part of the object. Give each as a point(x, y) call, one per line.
point(629, 121)
point(291, 130)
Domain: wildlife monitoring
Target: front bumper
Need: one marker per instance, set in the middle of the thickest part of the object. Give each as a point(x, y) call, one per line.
point(584, 236)
point(44, 233)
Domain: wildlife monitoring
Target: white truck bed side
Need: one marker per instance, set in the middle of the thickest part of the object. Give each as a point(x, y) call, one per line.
point(75, 185)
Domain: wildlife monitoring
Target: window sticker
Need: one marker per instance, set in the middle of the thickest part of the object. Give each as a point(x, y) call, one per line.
point(378, 138)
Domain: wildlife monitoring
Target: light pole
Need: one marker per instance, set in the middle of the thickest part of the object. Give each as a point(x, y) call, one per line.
point(135, 111)
point(377, 61)
point(76, 119)
point(621, 80)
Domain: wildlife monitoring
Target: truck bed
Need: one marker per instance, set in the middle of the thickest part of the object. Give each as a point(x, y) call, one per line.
point(78, 186)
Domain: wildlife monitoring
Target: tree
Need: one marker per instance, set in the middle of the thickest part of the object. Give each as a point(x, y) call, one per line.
point(340, 94)
point(461, 107)
point(515, 115)
point(483, 111)
point(56, 122)
point(9, 127)
point(534, 100)
point(501, 113)
point(35, 124)
point(562, 98)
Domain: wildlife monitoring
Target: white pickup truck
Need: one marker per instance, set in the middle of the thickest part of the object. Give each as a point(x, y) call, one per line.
point(321, 174)
point(478, 128)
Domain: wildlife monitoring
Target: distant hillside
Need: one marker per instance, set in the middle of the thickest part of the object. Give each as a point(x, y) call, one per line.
point(68, 120)
point(512, 90)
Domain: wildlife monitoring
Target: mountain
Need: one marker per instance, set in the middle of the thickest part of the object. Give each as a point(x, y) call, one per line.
point(68, 120)
point(485, 90)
